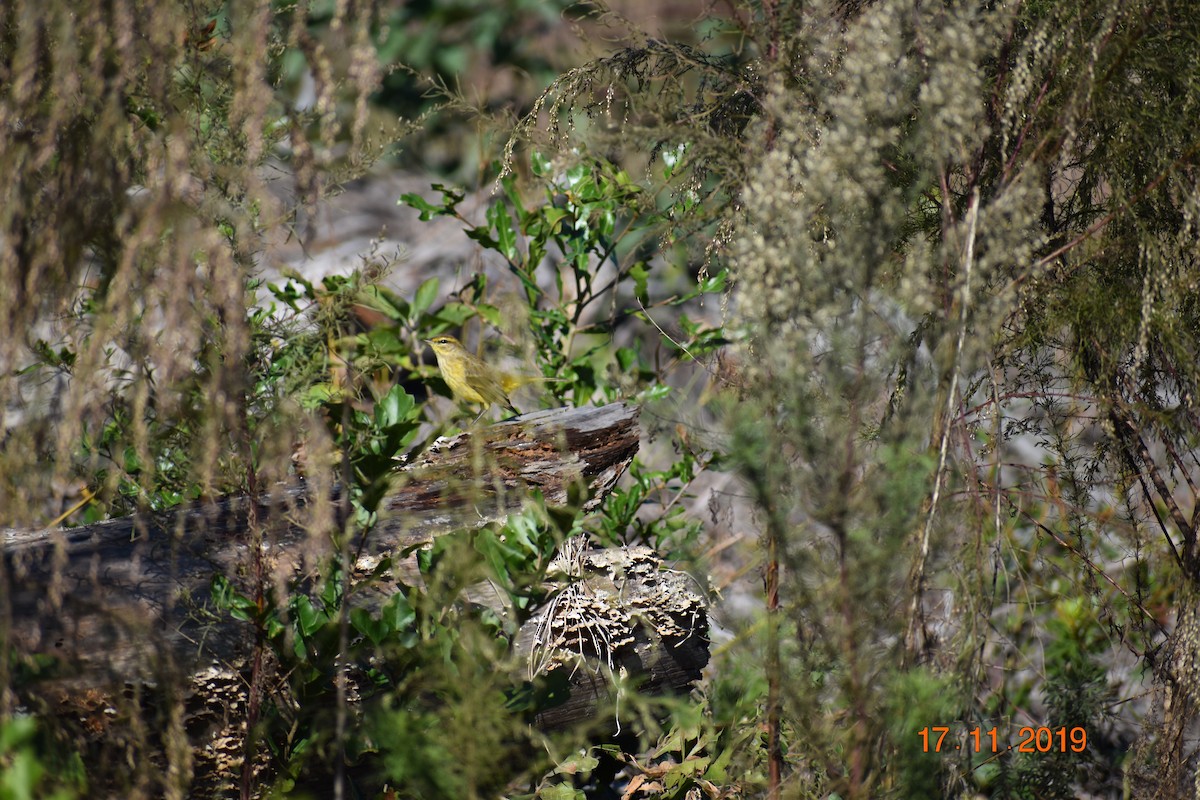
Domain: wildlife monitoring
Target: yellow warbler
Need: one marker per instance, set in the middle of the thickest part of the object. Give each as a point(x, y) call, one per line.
point(471, 379)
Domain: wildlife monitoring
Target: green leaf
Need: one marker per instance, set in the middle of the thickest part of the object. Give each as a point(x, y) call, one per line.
point(425, 558)
point(672, 158)
point(655, 392)
point(273, 626)
point(640, 273)
point(374, 629)
point(394, 408)
point(400, 617)
point(130, 460)
point(561, 791)
point(321, 394)
point(580, 763)
point(384, 301)
point(509, 185)
point(506, 236)
point(22, 775)
point(15, 731)
point(490, 313)
point(386, 341)
point(452, 315)
point(627, 359)
point(577, 174)
point(426, 294)
point(554, 220)
point(483, 236)
point(714, 284)
point(427, 209)
point(309, 617)
point(450, 200)
point(718, 770)
point(226, 596)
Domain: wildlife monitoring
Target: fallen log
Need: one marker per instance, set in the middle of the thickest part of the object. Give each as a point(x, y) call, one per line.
point(130, 597)
point(128, 602)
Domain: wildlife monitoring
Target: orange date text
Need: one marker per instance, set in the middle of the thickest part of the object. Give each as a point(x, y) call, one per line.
point(1029, 740)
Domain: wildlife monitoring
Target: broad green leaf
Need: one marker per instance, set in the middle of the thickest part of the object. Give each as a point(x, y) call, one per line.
point(427, 209)
point(490, 313)
point(426, 294)
point(394, 407)
point(640, 274)
point(374, 629)
point(506, 237)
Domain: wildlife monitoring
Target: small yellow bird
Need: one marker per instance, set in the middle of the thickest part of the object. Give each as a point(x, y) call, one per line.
point(471, 379)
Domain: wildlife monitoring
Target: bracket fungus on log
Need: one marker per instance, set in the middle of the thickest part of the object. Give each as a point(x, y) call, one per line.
point(618, 611)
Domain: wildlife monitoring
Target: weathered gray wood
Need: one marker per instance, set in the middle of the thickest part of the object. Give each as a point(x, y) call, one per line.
point(618, 612)
point(128, 597)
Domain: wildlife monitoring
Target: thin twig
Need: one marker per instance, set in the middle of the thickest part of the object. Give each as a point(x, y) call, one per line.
point(1110, 216)
point(1131, 440)
point(1096, 569)
point(918, 581)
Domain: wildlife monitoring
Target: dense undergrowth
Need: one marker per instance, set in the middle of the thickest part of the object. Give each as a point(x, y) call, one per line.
point(954, 251)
